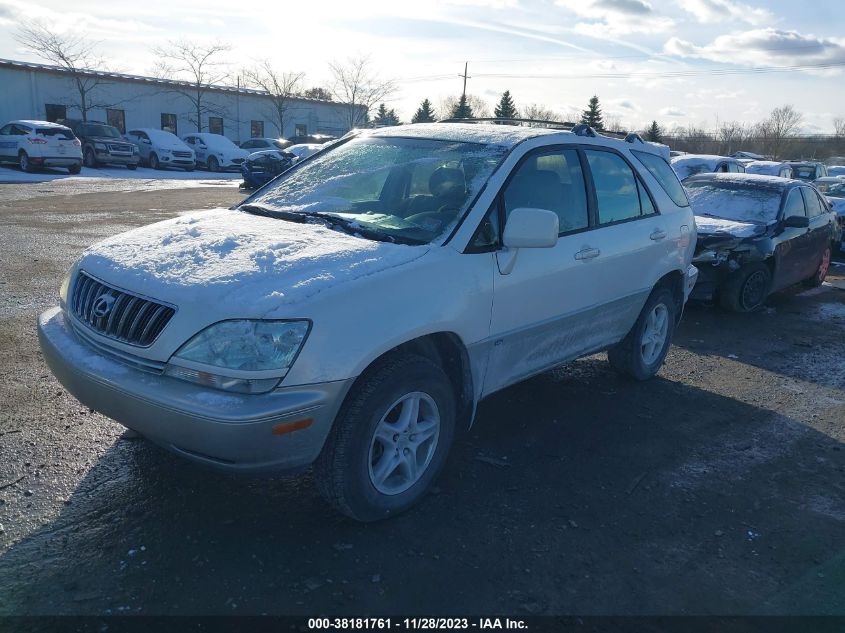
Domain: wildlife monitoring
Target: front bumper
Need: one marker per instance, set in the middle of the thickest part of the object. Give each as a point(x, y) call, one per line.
point(226, 430)
point(117, 159)
point(56, 161)
point(691, 281)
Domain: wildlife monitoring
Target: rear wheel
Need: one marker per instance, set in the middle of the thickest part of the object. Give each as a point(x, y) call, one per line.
point(821, 272)
point(213, 165)
point(23, 161)
point(642, 352)
point(746, 289)
point(74, 169)
point(390, 439)
point(154, 164)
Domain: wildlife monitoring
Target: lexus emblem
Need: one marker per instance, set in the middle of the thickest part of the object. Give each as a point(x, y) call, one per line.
point(102, 306)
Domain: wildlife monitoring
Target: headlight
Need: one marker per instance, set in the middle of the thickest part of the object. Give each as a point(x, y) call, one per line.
point(135, 149)
point(710, 257)
point(254, 355)
point(99, 146)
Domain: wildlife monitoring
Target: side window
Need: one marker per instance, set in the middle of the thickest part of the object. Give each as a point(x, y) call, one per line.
point(735, 168)
point(617, 189)
point(487, 234)
point(554, 181)
point(664, 175)
point(794, 205)
point(812, 202)
point(6, 130)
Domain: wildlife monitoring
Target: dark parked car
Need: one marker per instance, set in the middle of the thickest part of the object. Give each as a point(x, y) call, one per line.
point(808, 170)
point(258, 144)
point(102, 144)
point(311, 139)
point(261, 167)
point(757, 235)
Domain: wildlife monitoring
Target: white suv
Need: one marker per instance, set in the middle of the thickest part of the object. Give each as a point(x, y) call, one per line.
point(35, 144)
point(354, 312)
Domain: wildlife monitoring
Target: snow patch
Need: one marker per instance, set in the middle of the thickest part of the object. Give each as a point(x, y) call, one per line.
point(718, 225)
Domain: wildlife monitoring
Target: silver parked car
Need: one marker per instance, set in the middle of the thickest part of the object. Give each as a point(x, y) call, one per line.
point(353, 312)
point(161, 149)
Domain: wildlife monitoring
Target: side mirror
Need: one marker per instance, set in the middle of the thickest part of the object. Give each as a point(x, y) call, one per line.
point(146, 141)
point(531, 228)
point(797, 221)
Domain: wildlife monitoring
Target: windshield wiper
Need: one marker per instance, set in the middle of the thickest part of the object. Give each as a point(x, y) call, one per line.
point(352, 227)
point(257, 209)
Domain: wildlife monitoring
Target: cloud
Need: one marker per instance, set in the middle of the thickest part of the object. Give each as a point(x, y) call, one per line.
point(616, 17)
point(763, 47)
point(624, 104)
point(676, 112)
point(714, 11)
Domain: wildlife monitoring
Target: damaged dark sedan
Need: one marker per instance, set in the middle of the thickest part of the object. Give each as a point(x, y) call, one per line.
point(757, 235)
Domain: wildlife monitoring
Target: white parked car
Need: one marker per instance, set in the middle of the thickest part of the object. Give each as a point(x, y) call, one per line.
point(692, 164)
point(303, 150)
point(215, 152)
point(769, 168)
point(353, 313)
point(36, 144)
point(159, 148)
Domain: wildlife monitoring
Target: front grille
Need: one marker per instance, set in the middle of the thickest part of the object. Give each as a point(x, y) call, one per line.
point(126, 149)
point(116, 313)
point(182, 154)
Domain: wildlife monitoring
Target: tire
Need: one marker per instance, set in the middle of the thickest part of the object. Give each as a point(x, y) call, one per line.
point(74, 169)
point(23, 161)
point(747, 289)
point(347, 472)
point(821, 272)
point(213, 164)
point(637, 358)
point(189, 169)
point(89, 158)
point(154, 164)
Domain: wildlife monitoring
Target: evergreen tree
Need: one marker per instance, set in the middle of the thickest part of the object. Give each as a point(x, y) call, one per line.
point(381, 117)
point(462, 109)
point(392, 118)
point(654, 133)
point(506, 108)
point(592, 115)
point(425, 113)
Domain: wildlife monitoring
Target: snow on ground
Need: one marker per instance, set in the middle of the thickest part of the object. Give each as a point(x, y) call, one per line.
point(10, 174)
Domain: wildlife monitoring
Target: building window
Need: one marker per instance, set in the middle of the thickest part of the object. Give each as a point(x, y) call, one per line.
point(215, 125)
point(256, 129)
point(168, 122)
point(116, 118)
point(301, 130)
point(55, 112)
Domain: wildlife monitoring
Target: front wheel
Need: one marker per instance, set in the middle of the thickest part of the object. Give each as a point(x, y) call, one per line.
point(132, 167)
point(213, 164)
point(74, 169)
point(821, 272)
point(90, 158)
point(154, 164)
point(390, 439)
point(642, 352)
point(747, 288)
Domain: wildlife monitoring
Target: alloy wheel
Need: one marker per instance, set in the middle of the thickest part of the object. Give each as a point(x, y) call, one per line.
point(654, 334)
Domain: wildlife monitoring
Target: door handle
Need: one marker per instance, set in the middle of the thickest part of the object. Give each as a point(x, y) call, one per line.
point(657, 235)
point(587, 253)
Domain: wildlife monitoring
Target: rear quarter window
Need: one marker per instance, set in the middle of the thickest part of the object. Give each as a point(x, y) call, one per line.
point(664, 175)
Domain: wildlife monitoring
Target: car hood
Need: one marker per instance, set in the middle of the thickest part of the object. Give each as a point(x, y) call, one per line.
point(107, 139)
point(234, 264)
point(712, 226)
point(176, 145)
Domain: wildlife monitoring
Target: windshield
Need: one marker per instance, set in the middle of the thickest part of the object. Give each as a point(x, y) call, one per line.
point(836, 191)
point(218, 141)
point(100, 130)
point(403, 189)
point(687, 168)
point(740, 203)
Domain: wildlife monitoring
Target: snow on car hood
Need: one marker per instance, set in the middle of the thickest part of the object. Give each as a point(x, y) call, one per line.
point(708, 226)
point(226, 257)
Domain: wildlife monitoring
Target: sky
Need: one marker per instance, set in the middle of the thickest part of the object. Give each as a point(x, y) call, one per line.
point(680, 62)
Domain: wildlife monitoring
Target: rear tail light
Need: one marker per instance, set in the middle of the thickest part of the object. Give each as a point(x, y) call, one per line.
point(37, 141)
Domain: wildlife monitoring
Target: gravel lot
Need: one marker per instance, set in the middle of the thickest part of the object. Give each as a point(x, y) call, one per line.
point(717, 488)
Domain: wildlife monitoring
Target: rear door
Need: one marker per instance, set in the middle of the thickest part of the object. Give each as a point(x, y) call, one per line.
point(8, 142)
point(819, 232)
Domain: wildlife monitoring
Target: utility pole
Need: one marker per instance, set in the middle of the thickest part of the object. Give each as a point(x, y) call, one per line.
point(465, 76)
point(238, 111)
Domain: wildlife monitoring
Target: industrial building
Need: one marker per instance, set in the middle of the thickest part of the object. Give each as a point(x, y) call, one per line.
point(39, 91)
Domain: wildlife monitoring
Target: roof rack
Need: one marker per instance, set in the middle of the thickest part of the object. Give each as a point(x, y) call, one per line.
point(579, 129)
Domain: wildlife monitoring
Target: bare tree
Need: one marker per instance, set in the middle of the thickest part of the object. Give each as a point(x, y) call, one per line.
point(74, 54)
point(732, 136)
point(281, 86)
point(197, 65)
point(613, 123)
point(318, 92)
point(783, 124)
point(480, 108)
point(540, 113)
point(358, 89)
point(839, 127)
